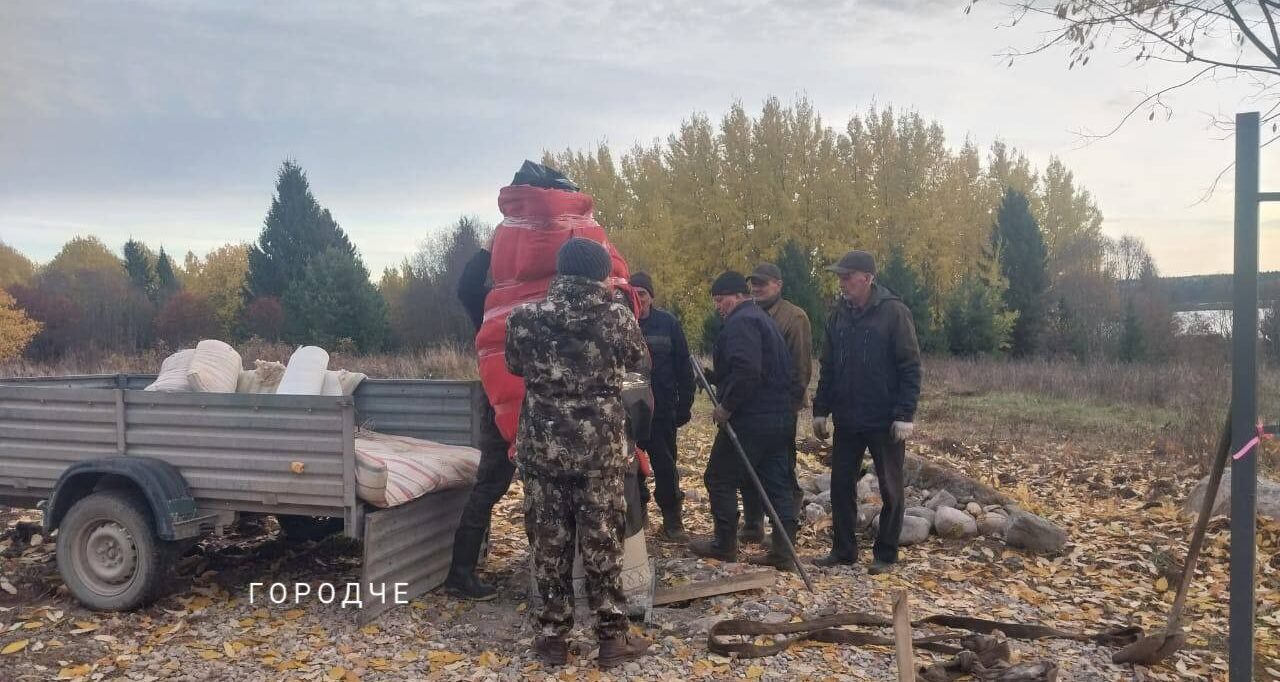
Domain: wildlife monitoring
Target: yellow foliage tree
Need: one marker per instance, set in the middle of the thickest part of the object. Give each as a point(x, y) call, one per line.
point(16, 329)
point(220, 279)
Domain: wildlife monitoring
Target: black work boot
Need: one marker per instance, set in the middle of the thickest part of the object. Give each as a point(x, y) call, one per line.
point(752, 532)
point(551, 650)
point(618, 650)
point(833, 559)
point(777, 556)
point(462, 581)
point(722, 546)
point(673, 524)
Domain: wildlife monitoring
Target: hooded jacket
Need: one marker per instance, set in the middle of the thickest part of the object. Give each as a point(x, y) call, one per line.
point(870, 365)
point(573, 350)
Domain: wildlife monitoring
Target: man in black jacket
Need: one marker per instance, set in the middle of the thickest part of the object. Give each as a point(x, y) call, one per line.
point(493, 477)
point(869, 384)
point(753, 384)
point(672, 382)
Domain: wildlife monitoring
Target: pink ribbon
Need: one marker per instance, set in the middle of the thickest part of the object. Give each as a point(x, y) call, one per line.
point(1253, 442)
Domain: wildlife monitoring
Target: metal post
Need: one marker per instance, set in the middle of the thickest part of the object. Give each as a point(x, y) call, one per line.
point(1244, 397)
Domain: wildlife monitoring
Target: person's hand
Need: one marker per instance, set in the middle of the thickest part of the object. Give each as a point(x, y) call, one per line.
point(720, 415)
point(902, 431)
point(821, 428)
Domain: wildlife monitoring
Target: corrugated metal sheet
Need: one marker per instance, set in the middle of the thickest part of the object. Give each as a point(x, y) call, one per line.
point(45, 430)
point(411, 544)
point(435, 410)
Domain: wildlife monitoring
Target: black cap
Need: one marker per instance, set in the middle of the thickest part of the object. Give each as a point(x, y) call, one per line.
point(855, 261)
point(730, 283)
point(766, 272)
point(584, 257)
point(642, 280)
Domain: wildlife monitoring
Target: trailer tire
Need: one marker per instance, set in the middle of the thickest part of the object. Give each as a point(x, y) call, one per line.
point(108, 552)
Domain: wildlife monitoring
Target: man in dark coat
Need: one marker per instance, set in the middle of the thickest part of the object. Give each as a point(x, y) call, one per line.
point(673, 391)
point(752, 375)
point(573, 350)
point(494, 475)
point(869, 384)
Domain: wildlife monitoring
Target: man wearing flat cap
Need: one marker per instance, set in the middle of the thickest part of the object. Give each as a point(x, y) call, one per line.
point(672, 381)
point(868, 385)
point(752, 375)
point(793, 323)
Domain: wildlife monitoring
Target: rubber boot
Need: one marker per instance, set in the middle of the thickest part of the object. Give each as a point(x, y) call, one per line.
point(722, 546)
point(618, 650)
point(462, 581)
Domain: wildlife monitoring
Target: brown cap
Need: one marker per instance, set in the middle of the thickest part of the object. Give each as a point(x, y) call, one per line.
point(766, 271)
point(855, 261)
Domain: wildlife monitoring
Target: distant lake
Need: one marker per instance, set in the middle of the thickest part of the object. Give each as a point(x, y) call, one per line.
point(1210, 321)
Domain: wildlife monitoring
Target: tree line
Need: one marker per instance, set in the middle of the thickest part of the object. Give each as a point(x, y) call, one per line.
point(992, 255)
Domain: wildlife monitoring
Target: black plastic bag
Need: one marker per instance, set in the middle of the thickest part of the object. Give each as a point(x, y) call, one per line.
point(538, 175)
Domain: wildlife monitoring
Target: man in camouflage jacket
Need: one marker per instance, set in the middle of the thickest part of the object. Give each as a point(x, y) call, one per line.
point(571, 450)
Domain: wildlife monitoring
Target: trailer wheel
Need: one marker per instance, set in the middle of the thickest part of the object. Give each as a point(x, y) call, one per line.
point(108, 552)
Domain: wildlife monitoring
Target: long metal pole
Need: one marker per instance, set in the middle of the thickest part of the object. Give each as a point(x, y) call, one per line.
point(780, 531)
point(1244, 397)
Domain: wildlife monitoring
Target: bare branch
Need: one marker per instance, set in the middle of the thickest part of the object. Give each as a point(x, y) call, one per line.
point(1145, 101)
point(1248, 33)
point(1266, 12)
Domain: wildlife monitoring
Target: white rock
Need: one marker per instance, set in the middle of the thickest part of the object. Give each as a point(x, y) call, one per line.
point(814, 513)
point(1031, 532)
point(867, 515)
point(974, 509)
point(955, 524)
point(824, 499)
point(1268, 498)
point(922, 512)
point(914, 530)
point(824, 482)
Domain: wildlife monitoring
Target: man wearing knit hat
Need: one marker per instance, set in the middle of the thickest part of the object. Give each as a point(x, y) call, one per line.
point(868, 384)
point(673, 389)
point(573, 350)
point(752, 375)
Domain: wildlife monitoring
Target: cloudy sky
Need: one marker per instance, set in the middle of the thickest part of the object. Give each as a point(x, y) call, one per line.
point(166, 120)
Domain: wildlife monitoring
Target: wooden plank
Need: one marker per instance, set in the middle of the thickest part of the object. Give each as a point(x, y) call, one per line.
point(710, 588)
point(902, 638)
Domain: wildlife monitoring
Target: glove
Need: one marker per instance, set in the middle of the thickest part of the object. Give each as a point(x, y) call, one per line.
point(720, 415)
point(821, 428)
point(902, 431)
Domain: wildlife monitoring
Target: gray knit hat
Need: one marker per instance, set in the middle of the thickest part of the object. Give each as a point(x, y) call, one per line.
point(584, 257)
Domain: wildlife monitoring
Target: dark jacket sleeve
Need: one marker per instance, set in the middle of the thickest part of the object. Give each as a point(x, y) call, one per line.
point(743, 351)
point(906, 354)
point(473, 286)
point(683, 370)
point(822, 398)
point(515, 327)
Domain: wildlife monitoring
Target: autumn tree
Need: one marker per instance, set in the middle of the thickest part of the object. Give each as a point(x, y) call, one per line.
point(16, 328)
point(421, 294)
point(264, 318)
point(219, 278)
point(296, 230)
point(15, 268)
point(186, 319)
point(902, 279)
point(167, 281)
point(139, 264)
point(802, 286)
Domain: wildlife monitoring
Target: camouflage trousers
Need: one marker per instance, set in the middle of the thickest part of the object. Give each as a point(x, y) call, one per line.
point(571, 510)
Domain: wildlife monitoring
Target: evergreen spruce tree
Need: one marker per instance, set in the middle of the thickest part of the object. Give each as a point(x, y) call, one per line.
point(1022, 262)
point(296, 230)
point(800, 286)
point(138, 264)
point(167, 283)
point(333, 302)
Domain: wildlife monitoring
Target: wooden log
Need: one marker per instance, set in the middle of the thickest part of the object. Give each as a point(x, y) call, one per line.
point(710, 588)
point(902, 638)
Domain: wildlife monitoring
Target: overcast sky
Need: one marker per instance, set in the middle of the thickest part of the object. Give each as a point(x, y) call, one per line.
point(167, 120)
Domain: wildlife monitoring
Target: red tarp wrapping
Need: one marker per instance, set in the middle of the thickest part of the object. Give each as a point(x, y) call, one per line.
point(536, 223)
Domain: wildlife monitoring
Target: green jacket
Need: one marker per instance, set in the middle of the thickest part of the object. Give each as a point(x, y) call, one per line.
point(794, 325)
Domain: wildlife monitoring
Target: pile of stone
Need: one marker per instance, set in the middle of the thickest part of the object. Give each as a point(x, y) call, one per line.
point(939, 512)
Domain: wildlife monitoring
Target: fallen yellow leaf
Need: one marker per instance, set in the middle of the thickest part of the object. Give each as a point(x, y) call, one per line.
point(14, 647)
point(72, 672)
point(444, 657)
point(293, 614)
point(337, 672)
point(755, 672)
point(370, 630)
point(1162, 584)
point(209, 655)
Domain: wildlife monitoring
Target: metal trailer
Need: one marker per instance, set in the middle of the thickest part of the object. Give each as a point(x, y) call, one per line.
point(130, 478)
